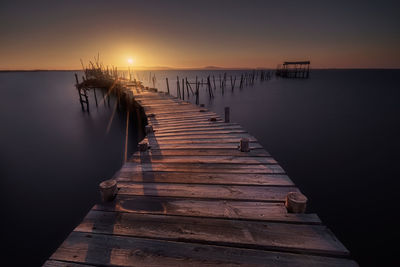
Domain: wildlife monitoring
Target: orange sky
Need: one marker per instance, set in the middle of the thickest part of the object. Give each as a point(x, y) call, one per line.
point(55, 35)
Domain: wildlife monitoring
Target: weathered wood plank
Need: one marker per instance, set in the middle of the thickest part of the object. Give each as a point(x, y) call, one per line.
point(203, 146)
point(204, 178)
point(202, 159)
point(248, 234)
point(106, 250)
point(155, 141)
point(231, 192)
point(200, 130)
point(202, 152)
point(209, 132)
point(202, 136)
point(228, 209)
point(53, 263)
point(215, 168)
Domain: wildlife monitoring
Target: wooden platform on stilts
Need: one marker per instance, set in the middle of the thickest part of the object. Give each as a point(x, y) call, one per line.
point(194, 199)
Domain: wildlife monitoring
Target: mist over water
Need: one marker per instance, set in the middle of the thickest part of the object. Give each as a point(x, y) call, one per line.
point(335, 134)
point(52, 158)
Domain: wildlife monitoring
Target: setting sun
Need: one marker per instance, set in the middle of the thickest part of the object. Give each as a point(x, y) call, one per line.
point(130, 60)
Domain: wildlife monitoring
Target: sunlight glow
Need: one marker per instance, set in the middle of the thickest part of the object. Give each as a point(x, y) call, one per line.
point(130, 61)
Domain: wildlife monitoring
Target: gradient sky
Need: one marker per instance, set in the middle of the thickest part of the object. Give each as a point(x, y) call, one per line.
point(188, 34)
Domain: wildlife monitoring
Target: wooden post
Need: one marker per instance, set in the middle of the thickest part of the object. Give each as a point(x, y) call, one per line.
point(167, 84)
point(178, 89)
point(214, 83)
point(227, 113)
point(296, 202)
point(149, 129)
point(244, 145)
point(108, 190)
point(143, 146)
point(183, 89)
point(95, 97)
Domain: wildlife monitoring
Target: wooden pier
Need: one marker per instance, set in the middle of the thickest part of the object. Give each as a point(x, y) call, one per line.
point(294, 69)
point(192, 198)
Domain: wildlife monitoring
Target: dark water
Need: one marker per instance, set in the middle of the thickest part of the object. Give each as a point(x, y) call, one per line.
point(52, 158)
point(338, 137)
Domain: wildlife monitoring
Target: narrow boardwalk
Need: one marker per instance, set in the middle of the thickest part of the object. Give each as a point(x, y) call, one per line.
point(193, 199)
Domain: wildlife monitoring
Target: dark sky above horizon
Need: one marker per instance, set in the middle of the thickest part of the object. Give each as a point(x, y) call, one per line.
point(187, 34)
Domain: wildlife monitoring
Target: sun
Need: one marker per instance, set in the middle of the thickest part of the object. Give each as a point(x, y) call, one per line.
point(130, 60)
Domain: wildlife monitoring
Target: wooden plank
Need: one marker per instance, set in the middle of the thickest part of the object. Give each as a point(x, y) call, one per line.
point(202, 136)
point(183, 120)
point(199, 130)
point(215, 168)
point(106, 250)
point(302, 238)
point(185, 123)
point(209, 132)
point(228, 209)
point(203, 146)
point(230, 192)
point(204, 178)
point(185, 115)
point(203, 159)
point(52, 263)
point(202, 152)
point(204, 126)
point(210, 141)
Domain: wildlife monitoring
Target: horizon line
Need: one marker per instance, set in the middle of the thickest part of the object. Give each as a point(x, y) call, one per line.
point(203, 68)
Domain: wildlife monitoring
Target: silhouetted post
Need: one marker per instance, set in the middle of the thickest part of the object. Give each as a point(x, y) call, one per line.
point(178, 89)
point(183, 89)
point(167, 84)
point(95, 96)
point(214, 83)
point(244, 145)
point(227, 114)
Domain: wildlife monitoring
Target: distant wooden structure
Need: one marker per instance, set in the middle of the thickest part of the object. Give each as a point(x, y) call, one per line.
point(191, 196)
point(294, 69)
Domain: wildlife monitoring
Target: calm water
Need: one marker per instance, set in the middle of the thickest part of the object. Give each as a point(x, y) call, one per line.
point(336, 135)
point(52, 158)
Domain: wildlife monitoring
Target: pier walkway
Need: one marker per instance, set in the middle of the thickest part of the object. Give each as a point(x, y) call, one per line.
point(194, 199)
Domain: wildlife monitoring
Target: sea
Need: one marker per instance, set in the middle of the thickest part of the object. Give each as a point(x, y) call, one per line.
point(336, 134)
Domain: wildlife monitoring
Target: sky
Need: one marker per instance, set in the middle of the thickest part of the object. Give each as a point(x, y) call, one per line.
point(195, 34)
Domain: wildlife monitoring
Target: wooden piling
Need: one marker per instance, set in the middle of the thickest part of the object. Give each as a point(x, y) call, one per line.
point(167, 84)
point(108, 190)
point(227, 114)
point(296, 202)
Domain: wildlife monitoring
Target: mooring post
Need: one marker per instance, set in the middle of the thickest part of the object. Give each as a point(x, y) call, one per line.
point(108, 190)
point(296, 202)
point(227, 113)
point(149, 129)
point(143, 146)
point(244, 145)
